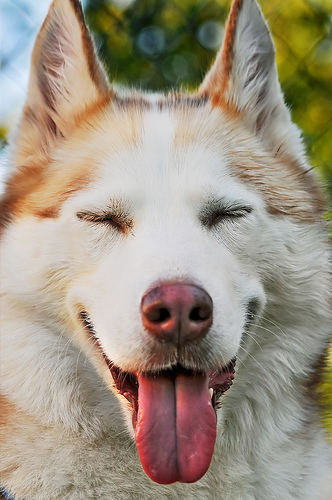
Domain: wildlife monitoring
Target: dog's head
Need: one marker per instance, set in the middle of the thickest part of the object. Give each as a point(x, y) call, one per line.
point(151, 221)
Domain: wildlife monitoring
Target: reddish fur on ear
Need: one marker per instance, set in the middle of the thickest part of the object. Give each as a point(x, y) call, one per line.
point(218, 78)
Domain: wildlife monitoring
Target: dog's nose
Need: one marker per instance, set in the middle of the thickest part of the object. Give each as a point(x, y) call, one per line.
point(177, 312)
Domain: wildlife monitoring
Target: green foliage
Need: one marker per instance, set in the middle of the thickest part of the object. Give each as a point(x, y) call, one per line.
point(157, 44)
point(325, 392)
point(3, 136)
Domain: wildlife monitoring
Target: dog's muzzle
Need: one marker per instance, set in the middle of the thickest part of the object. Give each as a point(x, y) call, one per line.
point(174, 415)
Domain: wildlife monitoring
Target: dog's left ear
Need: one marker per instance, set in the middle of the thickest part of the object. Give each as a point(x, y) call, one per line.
point(244, 80)
point(66, 80)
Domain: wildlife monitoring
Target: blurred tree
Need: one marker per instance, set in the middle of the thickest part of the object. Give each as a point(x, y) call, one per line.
point(157, 44)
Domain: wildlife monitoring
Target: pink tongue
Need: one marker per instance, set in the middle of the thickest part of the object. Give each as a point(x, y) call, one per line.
point(176, 427)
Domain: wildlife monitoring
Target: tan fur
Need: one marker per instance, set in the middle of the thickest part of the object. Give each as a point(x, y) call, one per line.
point(295, 194)
point(288, 191)
point(7, 415)
point(34, 190)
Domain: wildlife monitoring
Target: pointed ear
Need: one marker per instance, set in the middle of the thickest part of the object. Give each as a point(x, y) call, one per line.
point(66, 79)
point(244, 80)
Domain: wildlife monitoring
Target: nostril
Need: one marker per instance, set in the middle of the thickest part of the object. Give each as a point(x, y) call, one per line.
point(177, 310)
point(161, 315)
point(155, 313)
point(199, 314)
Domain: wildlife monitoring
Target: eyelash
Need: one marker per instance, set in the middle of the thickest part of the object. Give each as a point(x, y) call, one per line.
point(120, 221)
point(226, 214)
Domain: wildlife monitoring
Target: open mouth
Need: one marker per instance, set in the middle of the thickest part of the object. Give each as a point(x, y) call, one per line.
point(174, 416)
point(219, 381)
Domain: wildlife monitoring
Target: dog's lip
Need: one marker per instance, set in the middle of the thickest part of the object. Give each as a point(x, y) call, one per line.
point(126, 382)
point(220, 380)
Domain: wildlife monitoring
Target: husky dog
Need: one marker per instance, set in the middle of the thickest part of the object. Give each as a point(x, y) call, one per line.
point(165, 283)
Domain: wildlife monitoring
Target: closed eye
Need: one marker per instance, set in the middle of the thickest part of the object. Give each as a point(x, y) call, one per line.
point(231, 213)
point(117, 220)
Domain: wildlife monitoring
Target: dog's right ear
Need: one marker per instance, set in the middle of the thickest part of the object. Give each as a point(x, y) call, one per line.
point(66, 79)
point(244, 81)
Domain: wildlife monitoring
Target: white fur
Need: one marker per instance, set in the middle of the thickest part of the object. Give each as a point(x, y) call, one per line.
point(73, 438)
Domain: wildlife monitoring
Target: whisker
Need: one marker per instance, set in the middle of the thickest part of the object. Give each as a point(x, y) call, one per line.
point(263, 318)
point(252, 336)
point(64, 350)
point(252, 357)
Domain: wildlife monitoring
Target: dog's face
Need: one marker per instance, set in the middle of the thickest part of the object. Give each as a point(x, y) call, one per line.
point(164, 211)
point(152, 249)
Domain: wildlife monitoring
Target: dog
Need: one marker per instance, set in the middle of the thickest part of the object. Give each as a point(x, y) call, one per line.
point(165, 283)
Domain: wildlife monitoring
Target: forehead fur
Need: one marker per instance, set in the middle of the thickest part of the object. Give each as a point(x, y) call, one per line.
point(288, 187)
point(40, 185)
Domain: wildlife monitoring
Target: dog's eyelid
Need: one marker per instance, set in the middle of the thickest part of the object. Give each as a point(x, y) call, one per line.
point(117, 220)
point(230, 214)
point(236, 209)
point(214, 215)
